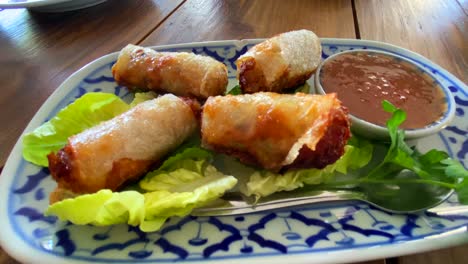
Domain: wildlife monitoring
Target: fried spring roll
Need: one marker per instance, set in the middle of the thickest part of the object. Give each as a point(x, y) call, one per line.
point(180, 73)
point(277, 131)
point(123, 148)
point(279, 63)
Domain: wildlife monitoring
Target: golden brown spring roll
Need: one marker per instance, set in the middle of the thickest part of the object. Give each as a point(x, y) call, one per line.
point(123, 148)
point(276, 131)
point(180, 73)
point(279, 63)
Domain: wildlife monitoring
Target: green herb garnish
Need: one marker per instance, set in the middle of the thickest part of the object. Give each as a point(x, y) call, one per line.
point(236, 90)
point(406, 171)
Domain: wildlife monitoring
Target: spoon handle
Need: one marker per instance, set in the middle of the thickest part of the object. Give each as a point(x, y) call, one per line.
point(235, 203)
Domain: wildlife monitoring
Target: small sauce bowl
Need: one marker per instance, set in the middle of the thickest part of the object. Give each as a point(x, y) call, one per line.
point(364, 78)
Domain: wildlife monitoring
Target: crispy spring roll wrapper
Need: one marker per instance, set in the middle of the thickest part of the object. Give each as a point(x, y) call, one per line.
point(277, 131)
point(123, 148)
point(180, 73)
point(279, 63)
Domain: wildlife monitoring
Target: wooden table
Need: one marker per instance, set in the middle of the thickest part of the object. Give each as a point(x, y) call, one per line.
point(39, 51)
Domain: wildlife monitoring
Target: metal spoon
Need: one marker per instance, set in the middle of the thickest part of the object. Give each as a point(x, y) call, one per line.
point(401, 198)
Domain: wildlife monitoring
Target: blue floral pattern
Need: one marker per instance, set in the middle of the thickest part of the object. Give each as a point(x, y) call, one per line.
point(305, 230)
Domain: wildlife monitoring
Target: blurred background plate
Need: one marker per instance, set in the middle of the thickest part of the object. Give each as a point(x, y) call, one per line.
point(49, 5)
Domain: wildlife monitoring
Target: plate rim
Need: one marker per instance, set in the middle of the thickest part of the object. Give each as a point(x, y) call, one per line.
point(443, 240)
point(28, 4)
point(52, 6)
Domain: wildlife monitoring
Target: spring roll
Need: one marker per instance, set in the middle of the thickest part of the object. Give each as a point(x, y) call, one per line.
point(180, 73)
point(276, 131)
point(279, 63)
point(123, 148)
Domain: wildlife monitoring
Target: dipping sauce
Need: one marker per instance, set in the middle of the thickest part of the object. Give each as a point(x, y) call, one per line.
point(363, 80)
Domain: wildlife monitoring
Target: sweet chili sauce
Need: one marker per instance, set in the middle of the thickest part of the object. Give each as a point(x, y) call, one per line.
point(363, 80)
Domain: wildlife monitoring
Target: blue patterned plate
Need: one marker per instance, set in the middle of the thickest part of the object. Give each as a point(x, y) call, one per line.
point(320, 233)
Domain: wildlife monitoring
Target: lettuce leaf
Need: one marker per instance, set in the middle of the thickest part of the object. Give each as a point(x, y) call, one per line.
point(102, 208)
point(141, 97)
point(106, 208)
point(304, 88)
point(181, 202)
point(183, 171)
point(187, 154)
point(86, 112)
point(185, 181)
point(357, 154)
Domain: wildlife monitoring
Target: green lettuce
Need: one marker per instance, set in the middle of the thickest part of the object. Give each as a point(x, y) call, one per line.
point(107, 208)
point(185, 181)
point(304, 88)
point(357, 154)
point(86, 112)
point(183, 154)
point(141, 97)
point(195, 193)
point(102, 208)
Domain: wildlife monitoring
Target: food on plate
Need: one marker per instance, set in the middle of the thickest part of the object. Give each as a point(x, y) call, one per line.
point(180, 73)
point(122, 149)
point(366, 78)
point(183, 182)
point(186, 180)
point(143, 162)
point(85, 112)
point(279, 63)
point(276, 131)
point(390, 174)
point(261, 183)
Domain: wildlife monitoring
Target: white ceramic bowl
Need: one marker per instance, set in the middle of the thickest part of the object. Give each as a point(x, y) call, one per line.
point(371, 130)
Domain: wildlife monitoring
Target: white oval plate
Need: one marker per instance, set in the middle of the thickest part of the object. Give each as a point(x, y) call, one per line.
point(319, 233)
point(49, 5)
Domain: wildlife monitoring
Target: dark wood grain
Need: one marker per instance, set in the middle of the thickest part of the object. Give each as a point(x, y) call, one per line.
point(202, 20)
point(6, 259)
point(39, 51)
point(454, 255)
point(435, 29)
